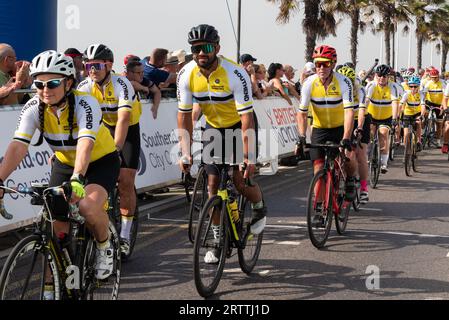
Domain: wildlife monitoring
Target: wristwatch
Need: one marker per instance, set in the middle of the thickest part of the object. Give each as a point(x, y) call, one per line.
point(78, 177)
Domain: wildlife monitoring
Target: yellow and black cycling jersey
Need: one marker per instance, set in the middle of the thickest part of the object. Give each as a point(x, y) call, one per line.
point(412, 103)
point(379, 99)
point(328, 106)
point(446, 90)
point(87, 124)
point(223, 97)
point(434, 91)
point(117, 95)
point(405, 86)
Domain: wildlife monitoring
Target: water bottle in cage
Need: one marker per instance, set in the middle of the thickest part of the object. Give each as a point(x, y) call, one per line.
point(75, 213)
point(233, 206)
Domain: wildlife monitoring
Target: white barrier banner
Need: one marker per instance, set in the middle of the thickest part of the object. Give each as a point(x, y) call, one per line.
point(159, 150)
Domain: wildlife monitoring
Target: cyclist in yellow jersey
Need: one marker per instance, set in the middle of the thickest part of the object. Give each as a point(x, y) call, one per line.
point(413, 106)
point(222, 89)
point(330, 97)
point(406, 75)
point(361, 129)
point(382, 102)
point(121, 114)
point(433, 89)
point(85, 153)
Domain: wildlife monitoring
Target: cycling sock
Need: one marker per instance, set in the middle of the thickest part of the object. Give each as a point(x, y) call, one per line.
point(384, 159)
point(127, 222)
point(258, 205)
point(103, 245)
point(363, 185)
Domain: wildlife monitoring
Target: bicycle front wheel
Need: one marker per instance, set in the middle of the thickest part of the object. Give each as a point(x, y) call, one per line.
point(408, 154)
point(252, 243)
point(356, 202)
point(374, 165)
point(199, 198)
point(319, 208)
point(206, 270)
point(28, 267)
point(414, 155)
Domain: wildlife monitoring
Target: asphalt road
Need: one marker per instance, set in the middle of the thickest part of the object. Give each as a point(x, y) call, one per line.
point(397, 247)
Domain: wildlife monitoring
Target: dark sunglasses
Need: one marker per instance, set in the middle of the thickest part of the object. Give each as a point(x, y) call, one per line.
point(413, 86)
point(50, 84)
point(206, 48)
point(97, 66)
point(326, 64)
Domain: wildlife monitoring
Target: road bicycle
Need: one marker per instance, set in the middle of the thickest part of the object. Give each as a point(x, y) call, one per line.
point(326, 196)
point(410, 152)
point(65, 262)
point(234, 232)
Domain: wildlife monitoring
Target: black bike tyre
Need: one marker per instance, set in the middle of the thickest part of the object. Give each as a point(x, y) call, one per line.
point(195, 208)
point(247, 264)
point(207, 290)
point(408, 156)
point(374, 165)
point(311, 212)
point(17, 252)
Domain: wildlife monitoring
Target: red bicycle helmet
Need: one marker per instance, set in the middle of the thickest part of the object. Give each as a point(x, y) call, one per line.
point(325, 52)
point(434, 72)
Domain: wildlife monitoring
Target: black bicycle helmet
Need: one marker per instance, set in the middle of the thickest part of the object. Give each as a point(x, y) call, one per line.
point(98, 52)
point(349, 64)
point(203, 32)
point(382, 70)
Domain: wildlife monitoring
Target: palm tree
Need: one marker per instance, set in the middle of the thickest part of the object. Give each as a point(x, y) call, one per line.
point(440, 32)
point(352, 9)
point(317, 22)
point(390, 13)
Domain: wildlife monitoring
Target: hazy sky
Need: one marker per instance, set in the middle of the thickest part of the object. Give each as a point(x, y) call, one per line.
point(137, 26)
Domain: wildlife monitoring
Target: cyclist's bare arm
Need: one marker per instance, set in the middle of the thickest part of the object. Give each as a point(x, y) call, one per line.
point(349, 123)
point(248, 137)
point(121, 130)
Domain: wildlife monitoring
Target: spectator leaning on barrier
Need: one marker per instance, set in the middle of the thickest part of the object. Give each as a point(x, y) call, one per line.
point(13, 75)
point(265, 88)
point(294, 88)
point(275, 73)
point(308, 70)
point(134, 73)
point(247, 62)
point(152, 71)
point(171, 66)
point(78, 62)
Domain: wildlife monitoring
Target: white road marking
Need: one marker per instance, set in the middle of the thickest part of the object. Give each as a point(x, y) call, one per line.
point(264, 272)
point(289, 243)
point(370, 209)
point(447, 255)
point(233, 270)
point(175, 220)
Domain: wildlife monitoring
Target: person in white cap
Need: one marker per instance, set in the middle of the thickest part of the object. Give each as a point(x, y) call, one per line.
point(309, 69)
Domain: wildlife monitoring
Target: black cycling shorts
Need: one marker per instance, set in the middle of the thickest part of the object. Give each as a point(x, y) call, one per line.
point(366, 129)
point(104, 172)
point(320, 136)
point(228, 148)
point(439, 113)
point(130, 152)
point(413, 118)
point(384, 122)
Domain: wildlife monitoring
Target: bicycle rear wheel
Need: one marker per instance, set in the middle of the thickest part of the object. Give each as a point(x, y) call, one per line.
point(356, 202)
point(108, 288)
point(374, 165)
point(341, 218)
point(249, 254)
point(207, 275)
point(319, 213)
point(28, 267)
point(408, 153)
point(199, 197)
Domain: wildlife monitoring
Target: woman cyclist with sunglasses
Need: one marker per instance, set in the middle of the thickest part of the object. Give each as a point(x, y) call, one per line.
point(85, 153)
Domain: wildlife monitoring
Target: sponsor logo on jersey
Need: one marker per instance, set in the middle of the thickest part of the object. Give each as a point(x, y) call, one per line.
point(88, 110)
point(125, 88)
point(244, 84)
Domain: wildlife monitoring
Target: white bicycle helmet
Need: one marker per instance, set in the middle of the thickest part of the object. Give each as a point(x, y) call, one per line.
point(52, 62)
